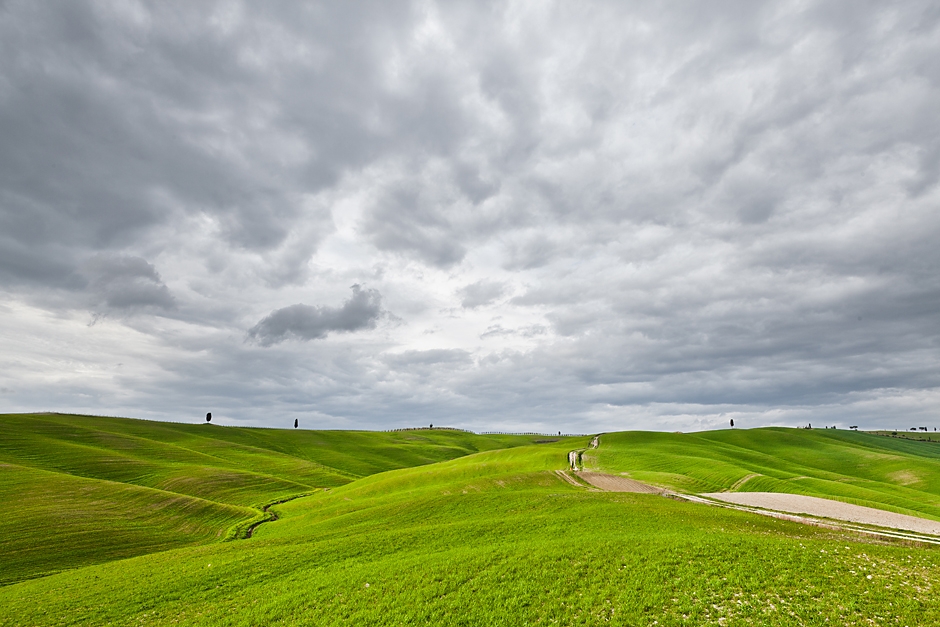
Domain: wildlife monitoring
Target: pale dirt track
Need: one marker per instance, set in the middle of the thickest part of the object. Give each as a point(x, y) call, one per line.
point(813, 506)
point(567, 478)
point(613, 483)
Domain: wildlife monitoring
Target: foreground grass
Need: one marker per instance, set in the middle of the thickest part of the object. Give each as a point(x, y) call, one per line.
point(444, 528)
point(497, 539)
point(80, 490)
point(893, 474)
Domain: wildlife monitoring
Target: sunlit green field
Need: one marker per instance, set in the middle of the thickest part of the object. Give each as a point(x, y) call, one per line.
point(488, 534)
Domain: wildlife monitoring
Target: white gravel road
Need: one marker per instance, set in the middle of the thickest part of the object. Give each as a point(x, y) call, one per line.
point(813, 506)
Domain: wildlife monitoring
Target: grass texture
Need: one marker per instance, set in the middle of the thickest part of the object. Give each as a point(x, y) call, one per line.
point(495, 537)
point(887, 473)
point(81, 490)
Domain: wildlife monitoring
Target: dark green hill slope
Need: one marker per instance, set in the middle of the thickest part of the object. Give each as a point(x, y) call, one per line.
point(94, 489)
point(54, 520)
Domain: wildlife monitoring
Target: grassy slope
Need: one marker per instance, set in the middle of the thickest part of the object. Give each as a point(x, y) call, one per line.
point(108, 488)
point(496, 539)
point(53, 520)
point(918, 436)
point(888, 473)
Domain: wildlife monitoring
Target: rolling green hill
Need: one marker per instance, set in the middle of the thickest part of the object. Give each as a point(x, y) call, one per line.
point(496, 537)
point(54, 520)
point(107, 488)
point(887, 473)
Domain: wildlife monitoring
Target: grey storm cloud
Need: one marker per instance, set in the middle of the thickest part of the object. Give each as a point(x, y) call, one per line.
point(137, 111)
point(481, 293)
point(681, 211)
point(123, 282)
point(309, 322)
point(406, 222)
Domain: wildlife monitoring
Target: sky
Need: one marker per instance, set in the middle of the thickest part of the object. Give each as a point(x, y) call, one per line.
point(498, 216)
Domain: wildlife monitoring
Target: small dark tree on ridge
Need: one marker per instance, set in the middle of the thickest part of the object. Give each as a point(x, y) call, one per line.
point(295, 423)
point(209, 417)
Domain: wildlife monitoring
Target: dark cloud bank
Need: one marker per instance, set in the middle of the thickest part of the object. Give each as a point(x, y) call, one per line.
point(577, 216)
point(306, 322)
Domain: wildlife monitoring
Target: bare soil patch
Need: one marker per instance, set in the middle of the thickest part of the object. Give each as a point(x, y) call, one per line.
point(613, 483)
point(826, 508)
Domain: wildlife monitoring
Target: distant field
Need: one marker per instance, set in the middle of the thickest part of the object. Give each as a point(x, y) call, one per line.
point(919, 436)
point(495, 537)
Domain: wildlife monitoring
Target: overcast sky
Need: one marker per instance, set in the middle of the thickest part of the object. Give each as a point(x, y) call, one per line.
point(498, 216)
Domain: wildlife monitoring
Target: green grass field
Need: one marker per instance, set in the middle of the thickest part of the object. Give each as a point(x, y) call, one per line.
point(114, 487)
point(887, 473)
point(919, 436)
point(456, 529)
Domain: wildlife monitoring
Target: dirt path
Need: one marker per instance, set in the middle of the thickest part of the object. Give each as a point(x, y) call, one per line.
point(807, 510)
point(615, 483)
point(575, 462)
point(573, 458)
point(564, 476)
point(826, 508)
point(606, 483)
point(600, 480)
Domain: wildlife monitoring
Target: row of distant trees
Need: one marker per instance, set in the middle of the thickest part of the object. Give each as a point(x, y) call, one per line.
point(809, 426)
point(430, 426)
point(209, 419)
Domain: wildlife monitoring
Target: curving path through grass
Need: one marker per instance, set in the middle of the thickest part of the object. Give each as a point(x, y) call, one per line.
point(600, 480)
point(805, 509)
